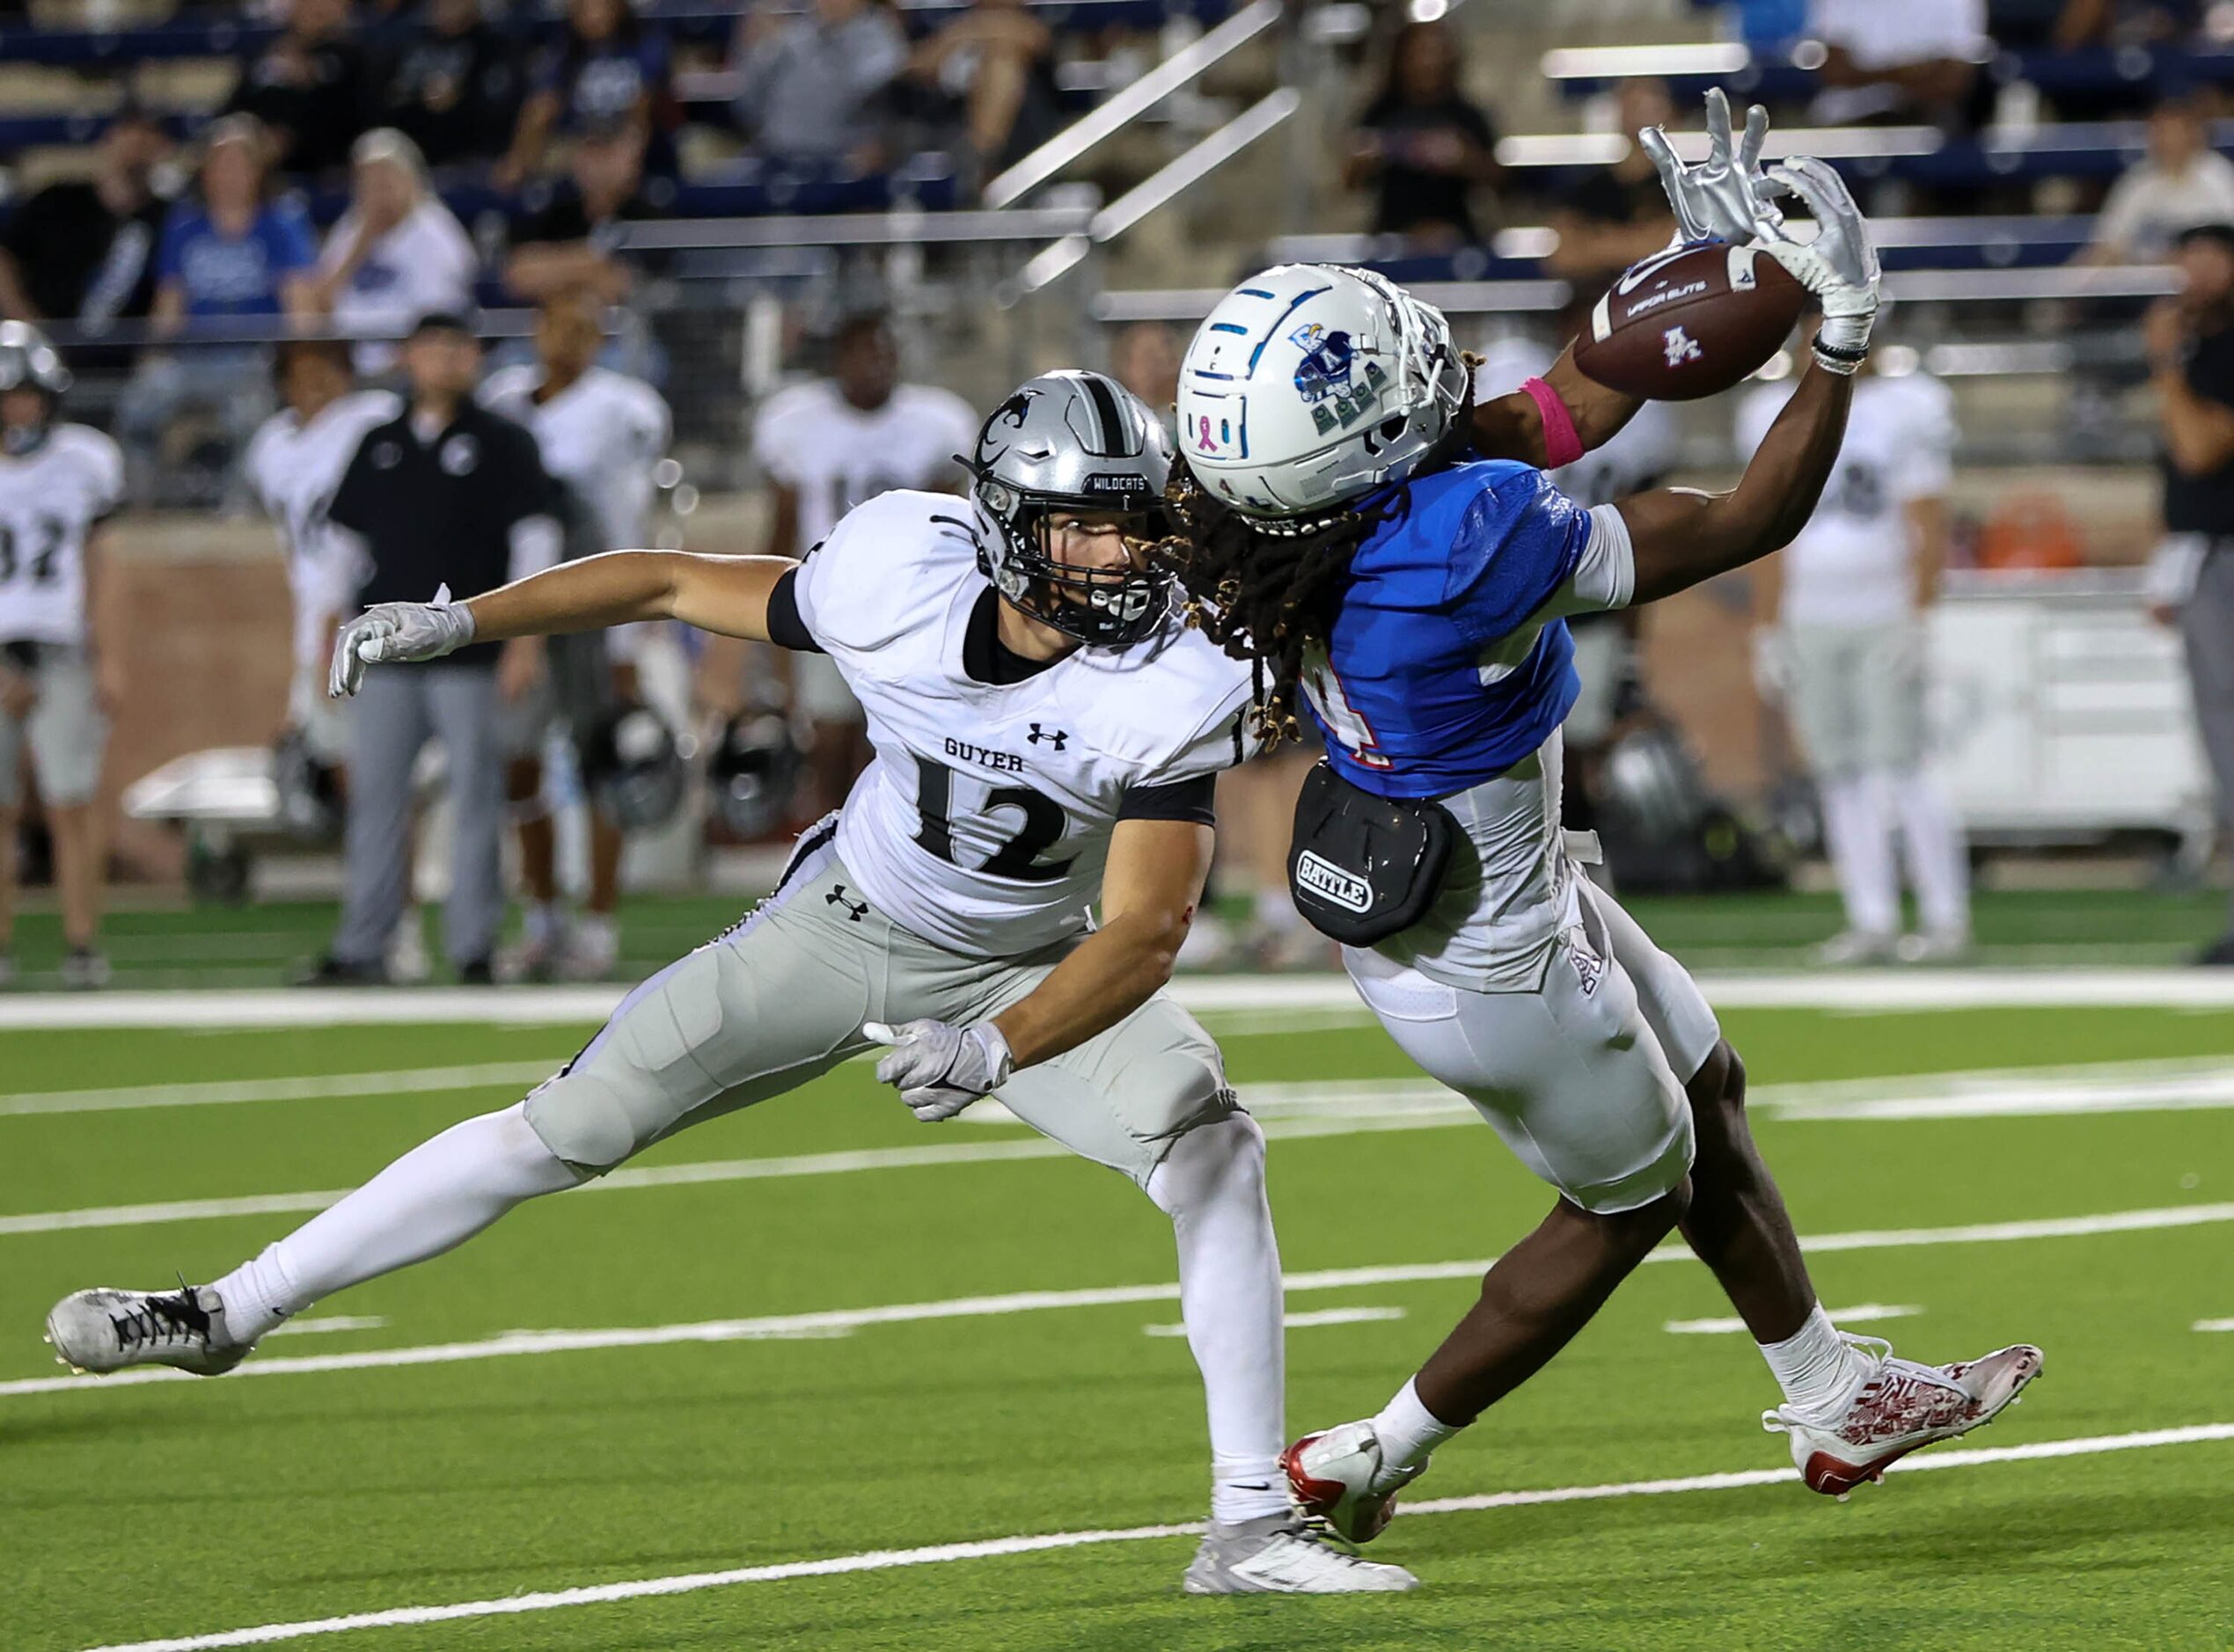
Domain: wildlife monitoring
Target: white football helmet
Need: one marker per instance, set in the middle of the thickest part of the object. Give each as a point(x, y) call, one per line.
point(1310, 386)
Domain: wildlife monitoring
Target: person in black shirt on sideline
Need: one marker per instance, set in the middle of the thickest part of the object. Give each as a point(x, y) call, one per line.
point(2190, 340)
point(84, 251)
point(1422, 145)
point(451, 496)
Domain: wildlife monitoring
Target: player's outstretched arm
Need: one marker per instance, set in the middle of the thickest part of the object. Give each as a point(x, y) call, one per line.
point(1150, 887)
point(1680, 536)
point(726, 594)
point(1515, 425)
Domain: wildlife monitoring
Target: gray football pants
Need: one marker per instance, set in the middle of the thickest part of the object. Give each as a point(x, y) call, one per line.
point(780, 998)
point(2207, 627)
point(399, 708)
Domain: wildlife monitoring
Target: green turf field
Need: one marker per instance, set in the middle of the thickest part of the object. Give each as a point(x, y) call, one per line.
point(798, 1423)
point(172, 945)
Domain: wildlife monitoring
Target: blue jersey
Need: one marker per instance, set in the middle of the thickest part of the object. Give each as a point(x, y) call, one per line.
point(1436, 676)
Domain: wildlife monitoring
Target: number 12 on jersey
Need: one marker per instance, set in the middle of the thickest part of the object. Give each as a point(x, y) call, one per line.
point(1347, 724)
point(1041, 824)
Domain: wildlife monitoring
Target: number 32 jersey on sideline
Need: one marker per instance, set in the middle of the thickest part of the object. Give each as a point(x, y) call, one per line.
point(984, 822)
point(51, 499)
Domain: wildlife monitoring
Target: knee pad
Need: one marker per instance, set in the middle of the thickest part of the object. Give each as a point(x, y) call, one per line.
point(583, 1120)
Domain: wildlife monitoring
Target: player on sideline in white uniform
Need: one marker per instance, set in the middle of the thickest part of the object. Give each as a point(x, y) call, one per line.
point(1414, 596)
point(828, 445)
point(1047, 735)
point(61, 655)
point(1845, 648)
point(601, 434)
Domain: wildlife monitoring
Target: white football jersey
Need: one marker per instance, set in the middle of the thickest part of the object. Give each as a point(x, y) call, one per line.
point(1852, 563)
point(835, 457)
point(984, 822)
point(601, 435)
point(51, 499)
point(294, 468)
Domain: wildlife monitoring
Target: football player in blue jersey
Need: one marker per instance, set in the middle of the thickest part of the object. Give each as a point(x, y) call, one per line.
point(1410, 598)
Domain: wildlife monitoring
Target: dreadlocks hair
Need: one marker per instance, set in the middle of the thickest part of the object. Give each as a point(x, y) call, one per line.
point(1266, 590)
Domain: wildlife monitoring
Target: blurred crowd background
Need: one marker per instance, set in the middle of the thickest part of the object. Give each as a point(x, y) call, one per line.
point(818, 237)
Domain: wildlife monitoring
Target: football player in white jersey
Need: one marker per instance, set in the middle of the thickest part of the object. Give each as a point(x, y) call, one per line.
point(601, 434)
point(293, 464)
point(1047, 736)
point(828, 445)
point(1844, 643)
point(62, 658)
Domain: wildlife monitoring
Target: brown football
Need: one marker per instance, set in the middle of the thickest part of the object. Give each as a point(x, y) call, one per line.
point(1689, 322)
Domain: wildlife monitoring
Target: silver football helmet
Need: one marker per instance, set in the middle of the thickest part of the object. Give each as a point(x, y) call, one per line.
point(27, 361)
point(1074, 443)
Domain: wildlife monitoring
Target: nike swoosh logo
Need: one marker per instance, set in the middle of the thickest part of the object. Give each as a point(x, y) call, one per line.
point(1637, 274)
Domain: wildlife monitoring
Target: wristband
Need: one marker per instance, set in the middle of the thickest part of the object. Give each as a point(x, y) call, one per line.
point(1833, 358)
point(1561, 444)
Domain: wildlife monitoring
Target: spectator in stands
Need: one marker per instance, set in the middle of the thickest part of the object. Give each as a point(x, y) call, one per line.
point(811, 84)
point(2085, 23)
point(2182, 183)
point(1421, 145)
point(994, 64)
point(84, 251)
point(453, 86)
point(1619, 214)
point(231, 250)
point(1898, 60)
point(308, 87)
point(606, 67)
point(398, 253)
point(2190, 341)
point(1145, 359)
point(570, 241)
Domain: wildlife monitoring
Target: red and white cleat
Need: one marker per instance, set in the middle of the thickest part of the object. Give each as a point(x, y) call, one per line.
point(1899, 1408)
point(1336, 1479)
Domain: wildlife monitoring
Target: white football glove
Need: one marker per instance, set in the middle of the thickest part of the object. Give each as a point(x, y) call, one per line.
point(940, 1068)
point(393, 632)
point(1725, 197)
point(1839, 266)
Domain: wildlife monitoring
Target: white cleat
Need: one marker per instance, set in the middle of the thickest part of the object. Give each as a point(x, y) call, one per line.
point(105, 1331)
point(1851, 948)
point(1336, 1479)
point(1900, 1407)
point(1934, 946)
point(1280, 1555)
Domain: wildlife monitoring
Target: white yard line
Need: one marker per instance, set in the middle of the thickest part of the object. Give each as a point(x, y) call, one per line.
point(329, 1322)
point(313, 1087)
point(1303, 1321)
point(1286, 1111)
point(1729, 1325)
point(1862, 991)
point(948, 1554)
point(516, 1344)
point(2215, 1325)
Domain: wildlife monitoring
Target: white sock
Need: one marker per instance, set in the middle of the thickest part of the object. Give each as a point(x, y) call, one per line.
point(543, 922)
point(1408, 1430)
point(1212, 1185)
point(598, 927)
point(1857, 828)
point(436, 1196)
point(1938, 857)
point(1815, 1366)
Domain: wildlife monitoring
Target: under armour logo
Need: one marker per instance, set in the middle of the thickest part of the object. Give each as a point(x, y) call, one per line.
point(855, 911)
point(1681, 347)
point(1037, 734)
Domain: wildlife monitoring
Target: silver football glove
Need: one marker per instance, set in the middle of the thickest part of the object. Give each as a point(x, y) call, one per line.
point(940, 1068)
point(1839, 266)
point(1725, 197)
point(394, 633)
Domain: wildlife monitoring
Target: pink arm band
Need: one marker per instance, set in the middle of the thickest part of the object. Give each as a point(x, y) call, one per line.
point(1561, 444)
